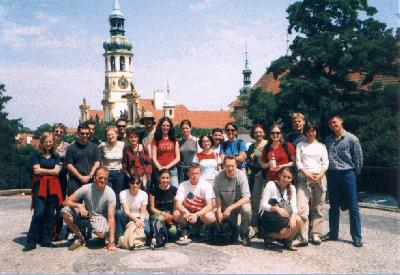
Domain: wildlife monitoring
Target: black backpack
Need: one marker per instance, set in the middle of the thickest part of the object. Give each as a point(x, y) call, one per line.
point(158, 233)
point(222, 234)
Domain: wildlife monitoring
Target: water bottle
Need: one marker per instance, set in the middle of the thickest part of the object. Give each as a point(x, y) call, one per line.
point(272, 161)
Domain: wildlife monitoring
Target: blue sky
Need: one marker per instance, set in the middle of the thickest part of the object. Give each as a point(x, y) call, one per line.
point(51, 51)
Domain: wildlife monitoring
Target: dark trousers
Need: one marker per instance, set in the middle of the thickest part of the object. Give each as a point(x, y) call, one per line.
point(342, 187)
point(63, 182)
point(116, 182)
point(41, 228)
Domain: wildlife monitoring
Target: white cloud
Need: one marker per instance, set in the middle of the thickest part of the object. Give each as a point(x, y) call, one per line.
point(203, 4)
point(40, 15)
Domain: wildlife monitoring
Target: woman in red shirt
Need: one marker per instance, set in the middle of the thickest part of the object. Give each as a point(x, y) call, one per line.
point(165, 149)
point(277, 154)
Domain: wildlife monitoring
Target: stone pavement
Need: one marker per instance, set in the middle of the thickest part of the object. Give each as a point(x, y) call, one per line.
point(380, 254)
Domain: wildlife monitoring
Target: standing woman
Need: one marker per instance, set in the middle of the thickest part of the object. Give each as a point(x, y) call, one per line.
point(234, 146)
point(111, 156)
point(61, 149)
point(210, 162)
point(278, 210)
point(136, 158)
point(218, 139)
point(188, 147)
point(162, 200)
point(312, 162)
point(277, 154)
point(165, 149)
point(256, 177)
point(46, 193)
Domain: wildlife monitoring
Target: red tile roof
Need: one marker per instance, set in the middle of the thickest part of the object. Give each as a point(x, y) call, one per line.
point(199, 119)
point(93, 113)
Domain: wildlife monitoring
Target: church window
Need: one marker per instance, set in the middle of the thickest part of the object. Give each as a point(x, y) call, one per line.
point(122, 63)
point(130, 61)
point(170, 113)
point(112, 63)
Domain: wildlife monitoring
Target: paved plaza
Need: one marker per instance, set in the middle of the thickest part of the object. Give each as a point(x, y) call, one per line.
point(380, 254)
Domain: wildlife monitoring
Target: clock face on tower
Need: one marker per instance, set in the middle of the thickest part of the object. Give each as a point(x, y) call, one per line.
point(123, 83)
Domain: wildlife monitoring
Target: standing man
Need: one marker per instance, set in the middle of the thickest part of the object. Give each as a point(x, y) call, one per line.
point(82, 159)
point(94, 202)
point(297, 135)
point(149, 122)
point(121, 125)
point(92, 129)
point(232, 195)
point(345, 162)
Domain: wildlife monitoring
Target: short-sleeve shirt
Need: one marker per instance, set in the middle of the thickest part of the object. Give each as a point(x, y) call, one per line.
point(188, 149)
point(208, 164)
point(164, 199)
point(230, 148)
point(61, 150)
point(46, 163)
point(194, 197)
point(295, 138)
point(165, 151)
point(281, 158)
point(112, 155)
point(134, 202)
point(82, 156)
point(230, 190)
point(96, 201)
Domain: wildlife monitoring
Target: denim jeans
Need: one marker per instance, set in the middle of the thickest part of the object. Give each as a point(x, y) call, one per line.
point(41, 228)
point(342, 185)
point(116, 182)
point(121, 222)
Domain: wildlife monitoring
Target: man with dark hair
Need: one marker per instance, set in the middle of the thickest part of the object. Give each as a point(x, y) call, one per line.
point(232, 194)
point(92, 203)
point(149, 122)
point(82, 159)
point(121, 125)
point(345, 162)
point(92, 129)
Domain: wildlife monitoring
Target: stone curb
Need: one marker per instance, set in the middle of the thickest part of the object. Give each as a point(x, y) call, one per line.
point(14, 192)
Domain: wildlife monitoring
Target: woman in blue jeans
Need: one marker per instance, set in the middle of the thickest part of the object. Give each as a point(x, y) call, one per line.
point(111, 156)
point(134, 207)
point(46, 193)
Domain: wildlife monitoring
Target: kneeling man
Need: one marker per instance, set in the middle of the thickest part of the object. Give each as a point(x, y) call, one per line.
point(194, 200)
point(232, 195)
point(94, 202)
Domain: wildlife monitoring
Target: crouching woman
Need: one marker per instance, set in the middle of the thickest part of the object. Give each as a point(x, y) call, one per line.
point(46, 193)
point(278, 217)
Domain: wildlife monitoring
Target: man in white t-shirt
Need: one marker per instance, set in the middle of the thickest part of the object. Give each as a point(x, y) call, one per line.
point(194, 199)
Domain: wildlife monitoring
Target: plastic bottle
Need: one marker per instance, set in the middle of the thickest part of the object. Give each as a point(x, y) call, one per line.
point(272, 161)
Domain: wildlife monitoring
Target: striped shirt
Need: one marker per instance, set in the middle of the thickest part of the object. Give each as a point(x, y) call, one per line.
point(344, 153)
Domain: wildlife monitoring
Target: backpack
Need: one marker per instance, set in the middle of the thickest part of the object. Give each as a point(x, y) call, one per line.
point(133, 237)
point(158, 233)
point(222, 233)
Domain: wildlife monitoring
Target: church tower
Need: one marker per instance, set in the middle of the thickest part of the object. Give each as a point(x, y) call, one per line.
point(118, 67)
point(246, 77)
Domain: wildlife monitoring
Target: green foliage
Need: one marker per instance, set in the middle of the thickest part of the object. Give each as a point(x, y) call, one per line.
point(41, 129)
point(261, 106)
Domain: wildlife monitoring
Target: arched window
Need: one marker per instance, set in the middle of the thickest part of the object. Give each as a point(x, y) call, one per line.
point(112, 63)
point(122, 63)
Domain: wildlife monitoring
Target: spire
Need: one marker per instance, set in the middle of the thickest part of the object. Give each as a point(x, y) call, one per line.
point(246, 75)
point(168, 88)
point(116, 20)
point(246, 64)
point(116, 9)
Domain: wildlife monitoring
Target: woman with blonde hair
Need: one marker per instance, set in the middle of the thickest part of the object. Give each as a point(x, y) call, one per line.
point(111, 156)
point(46, 193)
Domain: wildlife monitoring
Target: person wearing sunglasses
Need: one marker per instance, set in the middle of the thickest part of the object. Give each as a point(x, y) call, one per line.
point(121, 126)
point(82, 159)
point(277, 154)
point(93, 203)
point(234, 146)
point(134, 207)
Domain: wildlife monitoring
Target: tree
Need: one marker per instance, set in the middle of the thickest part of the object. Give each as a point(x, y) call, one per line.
point(8, 131)
point(43, 128)
point(332, 42)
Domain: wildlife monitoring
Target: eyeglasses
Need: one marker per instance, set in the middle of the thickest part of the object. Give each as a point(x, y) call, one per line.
point(59, 132)
point(230, 130)
point(121, 126)
point(135, 183)
point(275, 133)
point(84, 134)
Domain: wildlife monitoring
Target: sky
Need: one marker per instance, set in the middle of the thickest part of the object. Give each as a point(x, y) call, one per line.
point(51, 51)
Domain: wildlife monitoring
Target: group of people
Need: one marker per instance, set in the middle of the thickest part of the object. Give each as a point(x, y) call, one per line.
point(193, 185)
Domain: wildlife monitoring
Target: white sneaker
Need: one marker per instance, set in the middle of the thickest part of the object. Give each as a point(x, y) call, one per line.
point(71, 236)
point(252, 232)
point(299, 243)
point(316, 240)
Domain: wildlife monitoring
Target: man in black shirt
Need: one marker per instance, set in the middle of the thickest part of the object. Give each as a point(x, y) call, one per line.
point(82, 159)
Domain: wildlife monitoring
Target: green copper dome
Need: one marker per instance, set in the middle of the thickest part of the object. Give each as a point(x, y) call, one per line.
point(117, 43)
